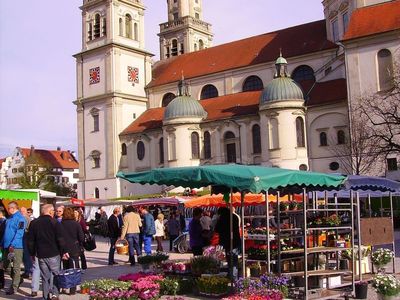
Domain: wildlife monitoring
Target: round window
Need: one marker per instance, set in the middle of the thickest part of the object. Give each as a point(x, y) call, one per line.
point(334, 166)
point(140, 150)
point(303, 167)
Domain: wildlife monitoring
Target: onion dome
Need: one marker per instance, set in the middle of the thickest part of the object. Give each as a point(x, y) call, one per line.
point(184, 106)
point(282, 87)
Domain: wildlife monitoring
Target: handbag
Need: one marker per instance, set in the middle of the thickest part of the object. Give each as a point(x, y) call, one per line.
point(69, 278)
point(89, 242)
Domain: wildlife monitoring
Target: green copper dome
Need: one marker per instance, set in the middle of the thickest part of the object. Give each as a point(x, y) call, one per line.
point(184, 105)
point(282, 87)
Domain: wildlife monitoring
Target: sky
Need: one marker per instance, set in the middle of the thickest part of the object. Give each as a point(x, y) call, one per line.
point(37, 70)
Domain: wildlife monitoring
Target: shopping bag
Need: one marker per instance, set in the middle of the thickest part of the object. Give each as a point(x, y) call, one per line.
point(89, 242)
point(69, 278)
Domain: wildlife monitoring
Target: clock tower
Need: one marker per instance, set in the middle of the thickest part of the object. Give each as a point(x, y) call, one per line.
point(185, 30)
point(112, 70)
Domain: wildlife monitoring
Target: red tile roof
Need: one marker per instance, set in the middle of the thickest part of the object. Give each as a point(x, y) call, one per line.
point(56, 158)
point(293, 41)
point(374, 19)
point(1, 161)
point(242, 104)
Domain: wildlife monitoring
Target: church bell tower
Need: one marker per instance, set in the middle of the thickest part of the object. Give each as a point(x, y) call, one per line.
point(185, 30)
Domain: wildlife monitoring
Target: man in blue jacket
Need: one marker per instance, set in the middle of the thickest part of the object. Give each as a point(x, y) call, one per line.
point(149, 229)
point(13, 244)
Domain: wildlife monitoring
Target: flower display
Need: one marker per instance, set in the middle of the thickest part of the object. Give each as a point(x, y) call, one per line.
point(204, 265)
point(213, 285)
point(133, 276)
point(216, 252)
point(381, 257)
point(332, 220)
point(386, 285)
point(272, 286)
point(365, 252)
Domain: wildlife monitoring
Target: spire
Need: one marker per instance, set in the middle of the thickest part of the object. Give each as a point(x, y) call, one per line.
point(183, 87)
point(281, 65)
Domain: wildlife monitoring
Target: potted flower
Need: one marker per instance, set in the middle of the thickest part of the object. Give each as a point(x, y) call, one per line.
point(214, 286)
point(204, 265)
point(332, 220)
point(145, 261)
point(255, 269)
point(85, 287)
point(386, 286)
point(381, 257)
point(361, 289)
point(284, 206)
point(293, 205)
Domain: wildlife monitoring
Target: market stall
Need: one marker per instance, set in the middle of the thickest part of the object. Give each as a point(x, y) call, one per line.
point(23, 198)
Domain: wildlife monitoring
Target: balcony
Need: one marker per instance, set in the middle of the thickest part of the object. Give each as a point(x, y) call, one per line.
point(185, 21)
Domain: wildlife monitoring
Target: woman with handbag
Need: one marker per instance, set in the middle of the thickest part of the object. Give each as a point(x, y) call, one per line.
point(81, 220)
point(74, 238)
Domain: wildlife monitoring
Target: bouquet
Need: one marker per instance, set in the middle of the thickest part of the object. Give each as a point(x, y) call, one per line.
point(216, 252)
point(382, 257)
point(386, 285)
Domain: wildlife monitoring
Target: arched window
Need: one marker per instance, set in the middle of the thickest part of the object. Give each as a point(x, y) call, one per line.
point(96, 193)
point(171, 147)
point(90, 32)
point(252, 83)
point(161, 150)
point(341, 137)
point(174, 49)
point(201, 44)
point(128, 26)
point(136, 31)
point(140, 149)
point(104, 27)
point(207, 145)
point(121, 27)
point(97, 26)
point(255, 131)
point(95, 156)
point(323, 139)
point(230, 146)
point(195, 145)
point(209, 91)
point(303, 72)
point(168, 54)
point(182, 49)
point(195, 47)
point(273, 134)
point(301, 141)
point(167, 98)
point(123, 149)
point(385, 69)
point(95, 114)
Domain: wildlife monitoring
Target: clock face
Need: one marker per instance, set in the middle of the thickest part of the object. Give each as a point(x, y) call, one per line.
point(133, 74)
point(94, 75)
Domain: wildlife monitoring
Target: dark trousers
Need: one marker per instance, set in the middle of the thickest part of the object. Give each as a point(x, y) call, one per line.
point(159, 243)
point(197, 251)
point(83, 260)
point(171, 240)
point(27, 260)
point(133, 240)
point(112, 250)
point(71, 263)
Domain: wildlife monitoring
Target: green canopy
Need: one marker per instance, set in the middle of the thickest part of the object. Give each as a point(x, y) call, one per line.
point(242, 177)
point(18, 195)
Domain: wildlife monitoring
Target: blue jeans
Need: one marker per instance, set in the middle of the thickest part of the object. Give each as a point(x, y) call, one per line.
point(27, 260)
point(112, 250)
point(133, 240)
point(147, 244)
point(48, 268)
point(35, 276)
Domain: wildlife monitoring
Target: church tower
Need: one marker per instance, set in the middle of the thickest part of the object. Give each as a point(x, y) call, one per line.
point(185, 30)
point(112, 70)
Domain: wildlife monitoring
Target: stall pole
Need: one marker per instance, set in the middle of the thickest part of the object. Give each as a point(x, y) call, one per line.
point(381, 210)
point(242, 194)
point(369, 205)
point(359, 234)
point(394, 237)
point(353, 266)
point(231, 241)
point(279, 231)
point(268, 240)
point(305, 244)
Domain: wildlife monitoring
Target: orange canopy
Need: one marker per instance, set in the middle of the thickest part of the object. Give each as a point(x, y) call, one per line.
point(249, 199)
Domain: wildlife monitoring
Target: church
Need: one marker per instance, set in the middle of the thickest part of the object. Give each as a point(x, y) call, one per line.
point(279, 99)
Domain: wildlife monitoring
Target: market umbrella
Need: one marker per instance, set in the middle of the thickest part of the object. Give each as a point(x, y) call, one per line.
point(254, 179)
point(356, 182)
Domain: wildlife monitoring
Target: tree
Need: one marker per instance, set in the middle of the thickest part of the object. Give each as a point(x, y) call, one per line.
point(34, 172)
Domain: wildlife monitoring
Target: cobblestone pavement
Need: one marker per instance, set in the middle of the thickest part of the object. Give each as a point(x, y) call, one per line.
point(98, 268)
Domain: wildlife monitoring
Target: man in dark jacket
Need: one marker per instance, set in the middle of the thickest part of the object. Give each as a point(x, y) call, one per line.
point(46, 241)
point(114, 231)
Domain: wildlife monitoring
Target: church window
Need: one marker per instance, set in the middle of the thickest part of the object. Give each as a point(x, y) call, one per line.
point(174, 49)
point(136, 31)
point(345, 19)
point(273, 134)
point(303, 167)
point(385, 69)
point(208, 91)
point(95, 156)
point(97, 26)
point(124, 150)
point(255, 131)
point(334, 166)
point(323, 139)
point(197, 16)
point(300, 132)
point(230, 147)
point(195, 145)
point(391, 164)
point(121, 27)
point(167, 98)
point(168, 53)
point(90, 32)
point(341, 137)
point(104, 28)
point(176, 16)
point(171, 147)
point(335, 30)
point(140, 149)
point(195, 47)
point(201, 44)
point(95, 114)
point(128, 26)
point(96, 193)
point(182, 50)
point(302, 73)
point(253, 83)
point(207, 145)
point(161, 150)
